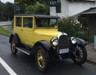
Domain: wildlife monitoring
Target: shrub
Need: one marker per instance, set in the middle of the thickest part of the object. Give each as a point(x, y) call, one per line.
point(72, 28)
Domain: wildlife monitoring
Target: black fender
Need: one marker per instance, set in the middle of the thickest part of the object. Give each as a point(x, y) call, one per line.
point(16, 37)
point(45, 44)
point(80, 42)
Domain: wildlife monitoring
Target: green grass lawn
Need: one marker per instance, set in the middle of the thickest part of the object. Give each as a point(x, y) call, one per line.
point(7, 25)
point(4, 31)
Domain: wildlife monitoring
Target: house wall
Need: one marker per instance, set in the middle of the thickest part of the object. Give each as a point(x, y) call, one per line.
point(71, 8)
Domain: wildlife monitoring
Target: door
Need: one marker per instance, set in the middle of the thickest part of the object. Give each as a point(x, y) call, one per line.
point(27, 31)
point(18, 26)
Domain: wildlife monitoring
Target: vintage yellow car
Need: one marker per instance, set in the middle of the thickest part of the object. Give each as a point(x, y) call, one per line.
point(39, 35)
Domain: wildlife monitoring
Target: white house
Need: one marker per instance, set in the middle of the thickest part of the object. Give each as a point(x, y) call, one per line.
point(84, 10)
point(72, 7)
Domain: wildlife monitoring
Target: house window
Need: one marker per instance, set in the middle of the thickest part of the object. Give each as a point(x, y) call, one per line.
point(53, 2)
point(58, 8)
point(57, 4)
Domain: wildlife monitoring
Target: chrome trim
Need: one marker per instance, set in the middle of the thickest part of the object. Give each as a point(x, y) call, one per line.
point(23, 51)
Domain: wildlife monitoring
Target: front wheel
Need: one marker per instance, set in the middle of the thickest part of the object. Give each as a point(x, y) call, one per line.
point(79, 55)
point(42, 58)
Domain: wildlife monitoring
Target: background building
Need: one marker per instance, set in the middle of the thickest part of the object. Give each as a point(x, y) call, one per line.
point(71, 8)
point(83, 10)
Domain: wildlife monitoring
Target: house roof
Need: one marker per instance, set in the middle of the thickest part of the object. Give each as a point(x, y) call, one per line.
point(90, 11)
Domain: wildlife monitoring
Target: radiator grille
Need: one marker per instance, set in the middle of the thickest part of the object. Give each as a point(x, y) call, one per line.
point(63, 42)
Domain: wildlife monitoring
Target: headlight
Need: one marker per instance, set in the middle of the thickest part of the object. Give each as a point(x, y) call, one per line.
point(54, 41)
point(73, 40)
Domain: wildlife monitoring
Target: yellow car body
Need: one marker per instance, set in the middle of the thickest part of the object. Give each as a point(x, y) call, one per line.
point(38, 35)
point(29, 36)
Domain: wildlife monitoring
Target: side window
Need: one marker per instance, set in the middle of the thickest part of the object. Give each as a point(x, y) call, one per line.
point(18, 21)
point(27, 22)
point(40, 22)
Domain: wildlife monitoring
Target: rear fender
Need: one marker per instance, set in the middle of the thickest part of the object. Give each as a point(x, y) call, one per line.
point(16, 38)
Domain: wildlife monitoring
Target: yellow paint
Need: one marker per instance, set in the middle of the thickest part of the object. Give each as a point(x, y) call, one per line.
point(30, 36)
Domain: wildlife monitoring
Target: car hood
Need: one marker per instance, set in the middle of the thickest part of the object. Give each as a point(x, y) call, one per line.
point(47, 32)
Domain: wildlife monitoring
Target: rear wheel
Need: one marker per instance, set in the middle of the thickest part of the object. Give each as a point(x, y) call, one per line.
point(13, 46)
point(42, 58)
point(80, 55)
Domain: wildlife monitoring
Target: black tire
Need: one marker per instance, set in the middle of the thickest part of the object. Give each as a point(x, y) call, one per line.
point(13, 46)
point(42, 60)
point(80, 56)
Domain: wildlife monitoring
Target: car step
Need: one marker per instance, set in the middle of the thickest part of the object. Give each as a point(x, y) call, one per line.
point(23, 50)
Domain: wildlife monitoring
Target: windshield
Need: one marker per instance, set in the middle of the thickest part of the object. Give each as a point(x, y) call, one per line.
point(46, 22)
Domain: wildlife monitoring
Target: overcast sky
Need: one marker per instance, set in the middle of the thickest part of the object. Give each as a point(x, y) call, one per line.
point(12, 1)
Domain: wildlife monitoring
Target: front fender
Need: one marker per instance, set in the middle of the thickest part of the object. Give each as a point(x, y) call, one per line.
point(43, 43)
point(80, 42)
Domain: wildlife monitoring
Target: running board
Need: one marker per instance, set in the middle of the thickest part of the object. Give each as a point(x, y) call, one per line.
point(23, 50)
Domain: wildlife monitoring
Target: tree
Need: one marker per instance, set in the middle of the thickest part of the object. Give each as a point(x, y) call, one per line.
point(37, 9)
point(6, 11)
point(9, 11)
point(2, 6)
point(37, 6)
point(29, 2)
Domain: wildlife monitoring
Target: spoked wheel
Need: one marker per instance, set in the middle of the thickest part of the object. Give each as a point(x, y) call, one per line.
point(42, 58)
point(80, 55)
point(13, 46)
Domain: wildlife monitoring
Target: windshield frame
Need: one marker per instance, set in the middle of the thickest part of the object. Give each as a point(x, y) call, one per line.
point(48, 25)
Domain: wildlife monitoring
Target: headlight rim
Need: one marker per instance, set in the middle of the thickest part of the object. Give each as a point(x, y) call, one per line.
point(53, 40)
point(73, 40)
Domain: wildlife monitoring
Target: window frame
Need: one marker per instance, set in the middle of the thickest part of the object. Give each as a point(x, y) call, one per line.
point(32, 22)
point(16, 21)
point(48, 22)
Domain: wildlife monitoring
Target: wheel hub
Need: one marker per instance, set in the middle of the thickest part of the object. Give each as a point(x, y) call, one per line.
point(40, 59)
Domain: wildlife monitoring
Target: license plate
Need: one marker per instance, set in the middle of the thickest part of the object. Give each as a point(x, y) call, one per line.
point(61, 51)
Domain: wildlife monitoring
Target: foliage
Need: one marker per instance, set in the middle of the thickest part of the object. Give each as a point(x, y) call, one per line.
point(6, 11)
point(72, 28)
point(37, 9)
point(2, 6)
point(9, 11)
point(32, 6)
point(19, 8)
point(31, 2)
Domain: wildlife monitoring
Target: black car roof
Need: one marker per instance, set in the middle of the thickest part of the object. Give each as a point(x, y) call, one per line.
point(37, 16)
